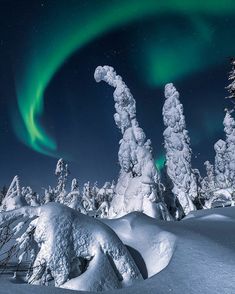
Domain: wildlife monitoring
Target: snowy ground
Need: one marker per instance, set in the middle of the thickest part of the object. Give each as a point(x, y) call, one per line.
point(195, 255)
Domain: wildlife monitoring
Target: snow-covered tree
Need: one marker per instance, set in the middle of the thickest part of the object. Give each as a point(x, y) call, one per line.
point(138, 184)
point(3, 193)
point(231, 86)
point(13, 198)
point(221, 168)
point(229, 128)
point(208, 182)
point(178, 152)
point(30, 196)
point(74, 185)
point(104, 197)
point(215, 192)
point(49, 195)
point(105, 193)
point(88, 199)
point(210, 173)
point(73, 198)
point(62, 173)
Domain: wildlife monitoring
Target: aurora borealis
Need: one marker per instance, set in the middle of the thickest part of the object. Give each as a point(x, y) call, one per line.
point(152, 42)
point(60, 38)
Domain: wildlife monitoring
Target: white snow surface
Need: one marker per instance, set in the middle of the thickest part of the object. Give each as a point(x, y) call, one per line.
point(195, 255)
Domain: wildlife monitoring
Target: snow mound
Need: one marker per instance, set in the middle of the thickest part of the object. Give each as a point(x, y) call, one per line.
point(72, 245)
point(151, 246)
point(195, 255)
point(203, 259)
point(227, 213)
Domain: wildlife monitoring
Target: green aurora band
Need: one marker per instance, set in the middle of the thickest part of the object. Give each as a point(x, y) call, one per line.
point(160, 162)
point(66, 28)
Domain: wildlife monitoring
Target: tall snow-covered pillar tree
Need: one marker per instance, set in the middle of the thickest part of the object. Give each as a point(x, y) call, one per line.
point(178, 152)
point(138, 186)
point(229, 129)
point(221, 168)
point(62, 173)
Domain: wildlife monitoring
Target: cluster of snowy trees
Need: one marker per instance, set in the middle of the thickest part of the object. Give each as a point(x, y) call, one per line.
point(59, 231)
point(91, 199)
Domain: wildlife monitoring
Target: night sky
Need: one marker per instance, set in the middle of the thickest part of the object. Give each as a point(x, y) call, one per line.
point(51, 107)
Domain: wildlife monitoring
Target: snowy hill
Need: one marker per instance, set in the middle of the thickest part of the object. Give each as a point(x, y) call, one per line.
point(195, 255)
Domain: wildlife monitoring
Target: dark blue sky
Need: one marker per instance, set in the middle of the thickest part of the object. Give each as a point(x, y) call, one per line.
point(78, 113)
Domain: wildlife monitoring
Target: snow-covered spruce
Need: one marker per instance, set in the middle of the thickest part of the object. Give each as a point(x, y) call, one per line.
point(229, 129)
point(231, 87)
point(30, 197)
point(77, 251)
point(208, 182)
point(223, 191)
point(13, 198)
point(221, 170)
point(178, 152)
point(62, 173)
point(138, 186)
point(90, 199)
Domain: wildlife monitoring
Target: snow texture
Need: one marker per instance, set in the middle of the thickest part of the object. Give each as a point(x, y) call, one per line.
point(198, 253)
point(73, 246)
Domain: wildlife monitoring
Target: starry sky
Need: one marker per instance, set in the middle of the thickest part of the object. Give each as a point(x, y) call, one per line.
point(51, 107)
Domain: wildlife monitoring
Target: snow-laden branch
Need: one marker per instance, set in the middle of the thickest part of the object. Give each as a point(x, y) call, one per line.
point(124, 101)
